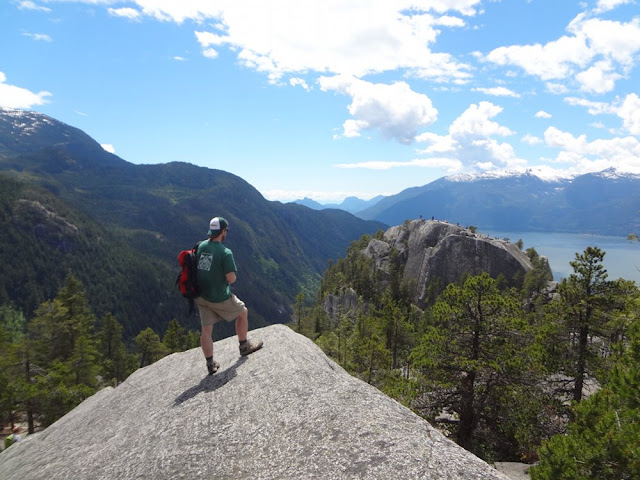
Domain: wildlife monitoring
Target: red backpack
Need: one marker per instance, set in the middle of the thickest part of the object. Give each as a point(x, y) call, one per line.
point(187, 281)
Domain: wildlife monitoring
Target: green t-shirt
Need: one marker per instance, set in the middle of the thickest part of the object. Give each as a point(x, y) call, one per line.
point(214, 262)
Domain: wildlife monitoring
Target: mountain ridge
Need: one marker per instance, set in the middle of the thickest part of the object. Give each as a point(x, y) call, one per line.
point(160, 209)
point(603, 202)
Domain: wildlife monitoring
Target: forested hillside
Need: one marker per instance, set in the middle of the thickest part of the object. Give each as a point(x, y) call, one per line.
point(500, 370)
point(132, 221)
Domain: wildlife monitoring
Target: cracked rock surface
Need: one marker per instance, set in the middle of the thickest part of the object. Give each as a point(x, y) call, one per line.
point(284, 412)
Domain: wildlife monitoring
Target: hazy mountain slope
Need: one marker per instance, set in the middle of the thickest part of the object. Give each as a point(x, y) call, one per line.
point(349, 204)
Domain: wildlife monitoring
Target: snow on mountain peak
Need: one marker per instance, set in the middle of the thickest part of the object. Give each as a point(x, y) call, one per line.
point(545, 174)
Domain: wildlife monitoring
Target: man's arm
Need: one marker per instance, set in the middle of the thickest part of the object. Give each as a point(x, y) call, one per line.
point(231, 277)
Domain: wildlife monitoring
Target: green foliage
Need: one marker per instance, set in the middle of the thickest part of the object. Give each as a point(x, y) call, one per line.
point(13, 323)
point(177, 339)
point(588, 308)
point(65, 357)
point(604, 440)
point(149, 346)
point(482, 361)
point(43, 238)
point(536, 280)
point(476, 353)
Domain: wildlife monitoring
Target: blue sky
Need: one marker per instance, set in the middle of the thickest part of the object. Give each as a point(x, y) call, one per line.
point(336, 98)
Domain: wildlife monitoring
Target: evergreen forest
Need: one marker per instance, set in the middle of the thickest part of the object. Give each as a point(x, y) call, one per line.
point(541, 375)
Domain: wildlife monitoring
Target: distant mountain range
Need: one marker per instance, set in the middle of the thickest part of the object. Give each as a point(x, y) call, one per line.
point(349, 204)
point(605, 203)
point(68, 205)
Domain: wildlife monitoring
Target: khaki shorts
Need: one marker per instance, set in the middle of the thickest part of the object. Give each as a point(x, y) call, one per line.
point(212, 312)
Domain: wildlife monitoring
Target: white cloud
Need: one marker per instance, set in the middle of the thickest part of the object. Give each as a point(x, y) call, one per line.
point(630, 113)
point(606, 5)
point(28, 5)
point(130, 13)
point(498, 92)
point(178, 58)
point(598, 78)
point(474, 122)
point(448, 164)
point(556, 88)
point(470, 143)
point(38, 36)
point(17, 97)
point(582, 156)
point(356, 38)
point(596, 54)
point(552, 61)
point(542, 114)
point(300, 82)
point(594, 108)
point(394, 110)
point(108, 147)
point(210, 53)
point(531, 139)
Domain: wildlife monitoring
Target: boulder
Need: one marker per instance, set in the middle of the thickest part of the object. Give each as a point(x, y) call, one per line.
point(285, 412)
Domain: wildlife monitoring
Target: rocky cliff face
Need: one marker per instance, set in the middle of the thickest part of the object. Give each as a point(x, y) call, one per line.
point(285, 412)
point(438, 251)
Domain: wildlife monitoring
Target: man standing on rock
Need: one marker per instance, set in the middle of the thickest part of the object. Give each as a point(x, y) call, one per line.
point(216, 272)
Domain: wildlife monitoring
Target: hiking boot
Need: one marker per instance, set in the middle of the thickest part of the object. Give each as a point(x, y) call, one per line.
point(213, 367)
point(250, 347)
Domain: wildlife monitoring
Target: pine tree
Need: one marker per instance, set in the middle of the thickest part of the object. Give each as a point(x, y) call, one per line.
point(580, 313)
point(115, 364)
point(604, 440)
point(475, 353)
point(150, 348)
point(174, 338)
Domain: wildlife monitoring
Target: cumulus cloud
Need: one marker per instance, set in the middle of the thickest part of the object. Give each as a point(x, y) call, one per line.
point(468, 145)
point(606, 5)
point(596, 53)
point(17, 97)
point(355, 38)
point(108, 147)
point(629, 111)
point(394, 110)
point(531, 139)
point(299, 82)
point(475, 122)
point(130, 13)
point(582, 156)
point(594, 108)
point(542, 114)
